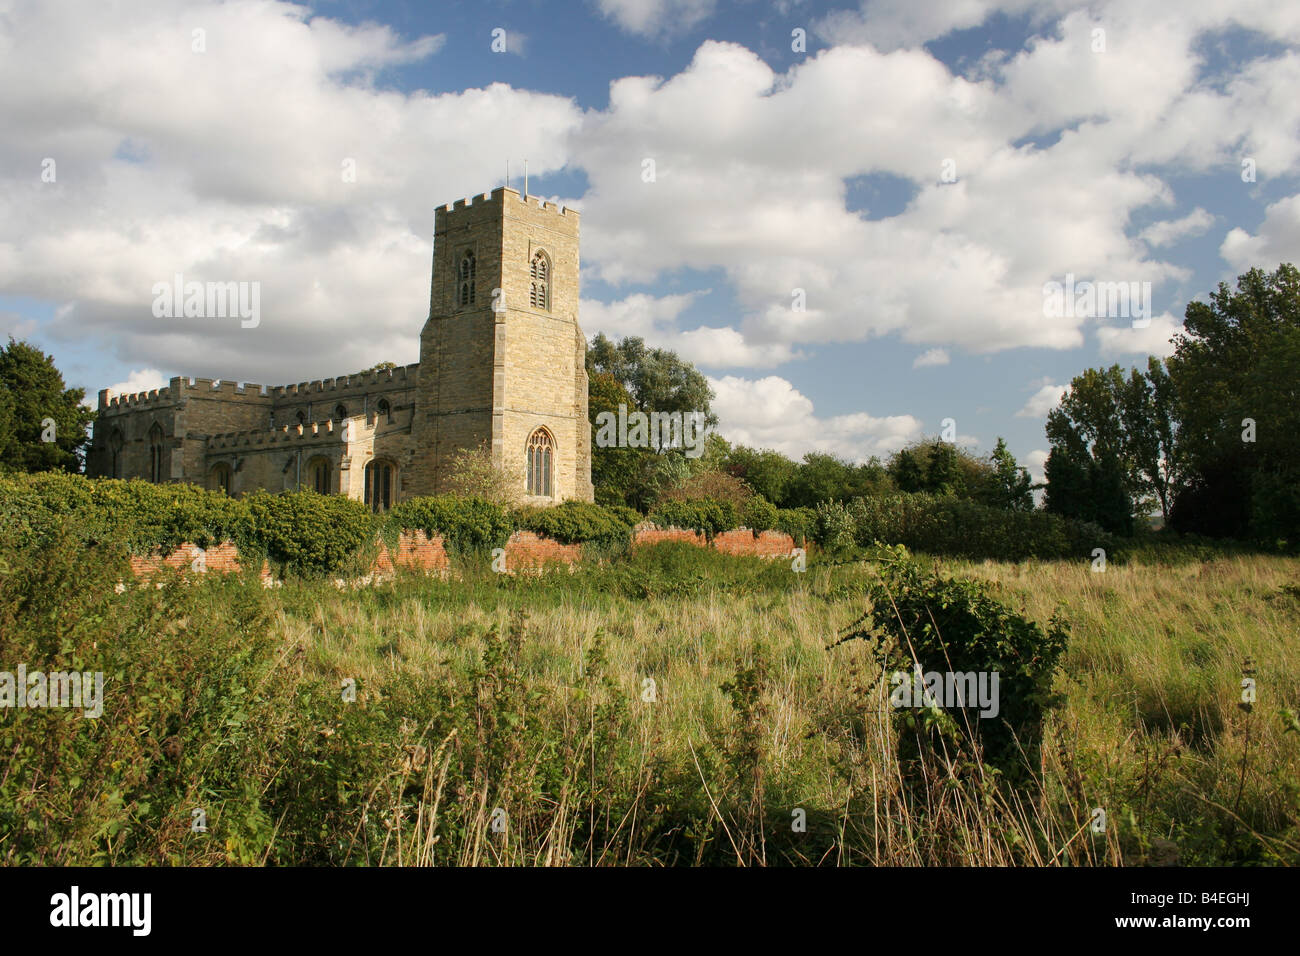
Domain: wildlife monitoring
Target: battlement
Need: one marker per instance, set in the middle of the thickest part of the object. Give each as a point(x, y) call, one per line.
point(385, 378)
point(254, 439)
point(496, 195)
point(181, 387)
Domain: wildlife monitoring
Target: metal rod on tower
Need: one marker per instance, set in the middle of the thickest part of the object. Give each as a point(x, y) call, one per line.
point(525, 179)
point(507, 174)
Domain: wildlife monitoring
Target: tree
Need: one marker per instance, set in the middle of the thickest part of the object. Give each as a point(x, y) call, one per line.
point(770, 473)
point(1010, 486)
point(1235, 374)
point(473, 474)
point(1148, 416)
point(42, 423)
point(1089, 471)
point(655, 379)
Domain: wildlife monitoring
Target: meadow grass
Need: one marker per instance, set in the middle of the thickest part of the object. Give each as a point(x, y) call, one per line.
point(671, 707)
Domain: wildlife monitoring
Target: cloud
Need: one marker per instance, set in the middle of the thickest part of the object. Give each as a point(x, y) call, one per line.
point(1278, 239)
point(655, 319)
point(1034, 463)
point(1152, 340)
point(139, 380)
point(1042, 401)
point(652, 18)
point(931, 357)
point(171, 161)
point(771, 413)
point(1195, 223)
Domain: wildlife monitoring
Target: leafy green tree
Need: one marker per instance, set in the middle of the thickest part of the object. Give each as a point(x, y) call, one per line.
point(1089, 475)
point(768, 472)
point(943, 474)
point(1010, 486)
point(823, 477)
point(1235, 373)
point(657, 380)
point(42, 423)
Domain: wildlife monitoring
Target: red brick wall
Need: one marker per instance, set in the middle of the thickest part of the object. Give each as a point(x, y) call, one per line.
point(222, 558)
point(414, 550)
point(528, 550)
point(768, 544)
point(524, 550)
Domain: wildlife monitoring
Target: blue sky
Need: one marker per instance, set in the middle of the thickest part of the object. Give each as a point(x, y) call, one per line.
point(915, 173)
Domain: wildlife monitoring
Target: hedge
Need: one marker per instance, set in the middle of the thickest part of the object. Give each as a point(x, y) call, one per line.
point(467, 525)
point(958, 527)
point(576, 522)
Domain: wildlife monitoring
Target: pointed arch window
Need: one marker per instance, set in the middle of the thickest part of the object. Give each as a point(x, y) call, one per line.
point(539, 274)
point(386, 410)
point(381, 482)
point(465, 277)
point(156, 454)
point(540, 452)
point(219, 477)
point(318, 476)
point(115, 443)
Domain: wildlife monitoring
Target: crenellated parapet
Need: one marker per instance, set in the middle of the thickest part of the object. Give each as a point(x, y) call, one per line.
point(255, 439)
point(381, 380)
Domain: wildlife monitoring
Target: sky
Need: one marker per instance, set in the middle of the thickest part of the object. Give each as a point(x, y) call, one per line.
point(848, 216)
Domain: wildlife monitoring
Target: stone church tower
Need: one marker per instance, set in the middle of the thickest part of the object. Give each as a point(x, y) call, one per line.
point(502, 365)
point(502, 358)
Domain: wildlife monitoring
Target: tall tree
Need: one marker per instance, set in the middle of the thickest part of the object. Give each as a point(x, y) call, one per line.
point(1089, 471)
point(1236, 377)
point(42, 423)
point(657, 380)
point(1009, 486)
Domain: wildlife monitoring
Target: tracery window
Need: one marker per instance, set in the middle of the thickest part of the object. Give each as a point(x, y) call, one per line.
point(539, 274)
point(318, 475)
point(381, 478)
point(539, 454)
point(468, 267)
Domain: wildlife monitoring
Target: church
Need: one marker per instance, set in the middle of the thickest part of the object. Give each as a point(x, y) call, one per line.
point(502, 365)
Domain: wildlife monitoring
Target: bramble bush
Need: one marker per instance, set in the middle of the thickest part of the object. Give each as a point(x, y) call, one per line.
point(920, 620)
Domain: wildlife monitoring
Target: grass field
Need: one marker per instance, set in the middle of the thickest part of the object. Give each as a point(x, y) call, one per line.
point(671, 707)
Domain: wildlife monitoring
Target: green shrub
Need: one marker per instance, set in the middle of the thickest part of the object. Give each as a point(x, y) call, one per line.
point(758, 514)
point(710, 517)
point(921, 621)
point(467, 525)
point(306, 532)
point(957, 527)
point(576, 522)
point(798, 523)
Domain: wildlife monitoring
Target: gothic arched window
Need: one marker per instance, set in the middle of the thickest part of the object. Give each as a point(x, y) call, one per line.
point(539, 453)
point(219, 477)
point(340, 412)
point(318, 475)
point(156, 454)
point(386, 410)
point(115, 443)
point(539, 274)
point(381, 479)
point(468, 266)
